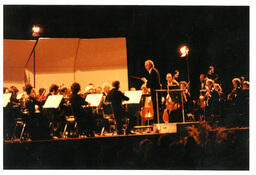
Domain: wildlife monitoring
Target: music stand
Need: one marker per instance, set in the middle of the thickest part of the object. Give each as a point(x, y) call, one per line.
point(134, 97)
point(53, 101)
point(6, 99)
point(94, 99)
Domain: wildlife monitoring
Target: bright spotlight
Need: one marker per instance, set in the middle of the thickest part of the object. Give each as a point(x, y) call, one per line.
point(36, 30)
point(184, 51)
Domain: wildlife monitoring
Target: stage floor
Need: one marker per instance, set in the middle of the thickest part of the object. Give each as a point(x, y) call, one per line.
point(146, 130)
point(142, 150)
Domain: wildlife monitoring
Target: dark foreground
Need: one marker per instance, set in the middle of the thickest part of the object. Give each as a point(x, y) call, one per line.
point(197, 147)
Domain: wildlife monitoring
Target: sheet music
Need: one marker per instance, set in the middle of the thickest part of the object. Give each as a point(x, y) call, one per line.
point(134, 97)
point(19, 96)
point(94, 99)
point(6, 99)
point(53, 101)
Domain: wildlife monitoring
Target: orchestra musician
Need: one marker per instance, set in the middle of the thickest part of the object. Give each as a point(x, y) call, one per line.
point(212, 99)
point(115, 96)
point(171, 80)
point(235, 97)
point(211, 74)
point(153, 83)
point(84, 118)
point(106, 88)
point(55, 116)
point(41, 95)
point(202, 81)
point(245, 94)
point(218, 88)
point(10, 112)
point(186, 97)
point(28, 109)
point(176, 75)
point(101, 121)
point(172, 102)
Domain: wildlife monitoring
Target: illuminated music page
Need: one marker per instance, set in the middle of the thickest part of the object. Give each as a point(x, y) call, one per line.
point(6, 99)
point(94, 99)
point(19, 96)
point(134, 97)
point(53, 101)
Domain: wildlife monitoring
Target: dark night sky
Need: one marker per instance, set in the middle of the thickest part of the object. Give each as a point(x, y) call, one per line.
point(216, 35)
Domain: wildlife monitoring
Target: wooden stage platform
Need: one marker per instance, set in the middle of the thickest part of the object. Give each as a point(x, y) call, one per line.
point(143, 150)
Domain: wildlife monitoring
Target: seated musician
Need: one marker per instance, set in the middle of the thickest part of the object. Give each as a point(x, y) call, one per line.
point(176, 75)
point(14, 92)
point(98, 90)
point(10, 112)
point(245, 95)
point(211, 74)
point(55, 116)
point(218, 88)
point(212, 98)
point(28, 107)
point(186, 97)
point(41, 94)
point(171, 113)
point(171, 81)
point(30, 100)
point(235, 97)
point(106, 88)
point(86, 123)
point(115, 96)
point(202, 81)
point(89, 89)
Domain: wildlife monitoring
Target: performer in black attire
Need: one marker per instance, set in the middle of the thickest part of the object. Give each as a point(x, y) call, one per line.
point(153, 83)
point(202, 81)
point(235, 97)
point(10, 112)
point(211, 74)
point(116, 97)
point(36, 125)
point(55, 116)
point(212, 98)
point(84, 117)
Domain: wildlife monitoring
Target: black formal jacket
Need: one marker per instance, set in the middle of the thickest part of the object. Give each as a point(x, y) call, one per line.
point(153, 78)
point(116, 97)
point(76, 104)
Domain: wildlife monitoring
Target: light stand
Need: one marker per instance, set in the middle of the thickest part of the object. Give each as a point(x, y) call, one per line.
point(184, 50)
point(36, 35)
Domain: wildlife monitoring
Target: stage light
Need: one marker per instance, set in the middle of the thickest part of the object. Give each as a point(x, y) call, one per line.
point(184, 51)
point(36, 31)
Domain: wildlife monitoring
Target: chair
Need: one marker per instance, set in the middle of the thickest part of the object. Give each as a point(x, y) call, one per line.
point(108, 114)
point(125, 123)
point(70, 127)
point(20, 122)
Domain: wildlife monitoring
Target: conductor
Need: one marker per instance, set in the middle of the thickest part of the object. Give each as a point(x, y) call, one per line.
point(153, 83)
